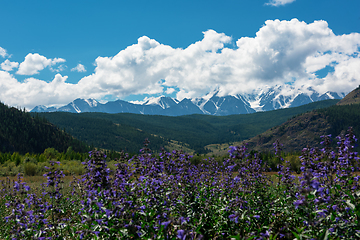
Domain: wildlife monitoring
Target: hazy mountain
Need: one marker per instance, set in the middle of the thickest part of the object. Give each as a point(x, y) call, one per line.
point(273, 98)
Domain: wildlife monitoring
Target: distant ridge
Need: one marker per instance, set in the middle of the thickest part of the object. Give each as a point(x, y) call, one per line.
point(272, 98)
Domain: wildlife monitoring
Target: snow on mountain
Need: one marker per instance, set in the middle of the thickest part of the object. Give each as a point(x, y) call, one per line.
point(79, 105)
point(201, 102)
point(77, 109)
point(272, 98)
point(279, 97)
point(163, 102)
point(92, 102)
point(42, 108)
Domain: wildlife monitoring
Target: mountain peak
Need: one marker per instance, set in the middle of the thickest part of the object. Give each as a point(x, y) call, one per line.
point(162, 101)
point(266, 99)
point(92, 102)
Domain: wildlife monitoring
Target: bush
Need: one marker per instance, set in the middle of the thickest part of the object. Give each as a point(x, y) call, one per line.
point(30, 159)
point(73, 167)
point(295, 163)
point(10, 169)
point(41, 168)
point(30, 169)
point(3, 171)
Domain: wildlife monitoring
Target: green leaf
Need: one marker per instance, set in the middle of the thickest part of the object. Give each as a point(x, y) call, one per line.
point(296, 235)
point(237, 237)
point(310, 196)
point(332, 216)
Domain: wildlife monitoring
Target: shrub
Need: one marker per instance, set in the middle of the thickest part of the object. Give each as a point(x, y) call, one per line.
point(295, 163)
point(73, 167)
point(10, 169)
point(30, 169)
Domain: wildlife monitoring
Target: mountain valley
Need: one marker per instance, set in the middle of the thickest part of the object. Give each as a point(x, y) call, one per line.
point(127, 131)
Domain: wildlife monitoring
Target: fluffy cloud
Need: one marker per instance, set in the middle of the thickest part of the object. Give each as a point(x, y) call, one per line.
point(59, 68)
point(170, 90)
point(281, 52)
point(3, 52)
point(34, 63)
point(138, 68)
point(279, 2)
point(79, 68)
point(9, 66)
point(32, 92)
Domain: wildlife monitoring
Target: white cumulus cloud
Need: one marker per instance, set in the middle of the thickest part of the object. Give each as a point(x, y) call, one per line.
point(279, 2)
point(79, 68)
point(35, 62)
point(59, 68)
point(281, 52)
point(32, 92)
point(8, 65)
point(138, 68)
point(3, 52)
point(170, 90)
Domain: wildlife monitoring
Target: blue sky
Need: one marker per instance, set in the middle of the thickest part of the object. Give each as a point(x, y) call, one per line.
point(52, 52)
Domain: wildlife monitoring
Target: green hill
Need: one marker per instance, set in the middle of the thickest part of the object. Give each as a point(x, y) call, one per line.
point(305, 129)
point(98, 130)
point(20, 132)
point(125, 131)
point(352, 98)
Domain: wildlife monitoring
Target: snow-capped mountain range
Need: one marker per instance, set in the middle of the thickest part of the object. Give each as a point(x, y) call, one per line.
point(212, 104)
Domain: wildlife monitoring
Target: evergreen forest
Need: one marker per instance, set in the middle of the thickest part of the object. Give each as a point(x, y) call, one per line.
point(20, 132)
point(126, 131)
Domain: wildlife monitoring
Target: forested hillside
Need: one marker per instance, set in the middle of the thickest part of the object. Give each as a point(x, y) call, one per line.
point(352, 98)
point(127, 131)
point(101, 132)
point(20, 132)
point(341, 117)
point(306, 129)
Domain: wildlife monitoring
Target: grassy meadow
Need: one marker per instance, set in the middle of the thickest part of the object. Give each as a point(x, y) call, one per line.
point(168, 195)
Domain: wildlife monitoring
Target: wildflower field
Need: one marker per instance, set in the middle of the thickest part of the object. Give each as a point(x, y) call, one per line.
point(165, 196)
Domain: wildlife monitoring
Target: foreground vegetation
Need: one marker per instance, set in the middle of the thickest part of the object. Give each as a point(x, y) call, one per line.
point(12, 164)
point(34, 164)
point(165, 196)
